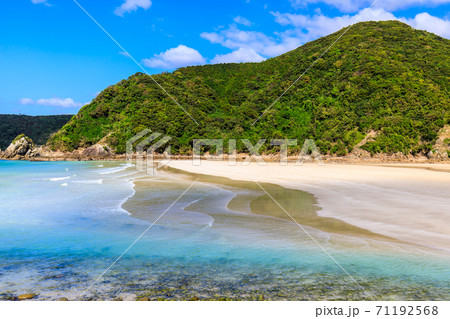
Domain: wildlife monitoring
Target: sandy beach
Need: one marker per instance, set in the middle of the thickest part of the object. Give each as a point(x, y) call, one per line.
point(407, 202)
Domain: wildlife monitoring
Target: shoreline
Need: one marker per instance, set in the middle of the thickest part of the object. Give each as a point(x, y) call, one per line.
point(303, 206)
point(381, 158)
point(408, 204)
point(268, 159)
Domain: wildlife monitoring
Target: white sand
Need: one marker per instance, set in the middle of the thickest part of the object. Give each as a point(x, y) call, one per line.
point(408, 202)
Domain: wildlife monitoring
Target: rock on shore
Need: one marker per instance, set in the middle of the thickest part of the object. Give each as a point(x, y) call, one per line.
point(23, 148)
point(19, 147)
point(97, 151)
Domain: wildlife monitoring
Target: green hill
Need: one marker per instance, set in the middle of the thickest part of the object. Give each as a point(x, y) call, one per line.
point(38, 128)
point(381, 76)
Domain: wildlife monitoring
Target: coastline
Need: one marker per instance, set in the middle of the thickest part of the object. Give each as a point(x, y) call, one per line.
point(23, 150)
point(376, 159)
point(409, 204)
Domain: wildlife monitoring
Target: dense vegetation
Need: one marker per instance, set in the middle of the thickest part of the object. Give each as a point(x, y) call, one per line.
point(381, 76)
point(38, 128)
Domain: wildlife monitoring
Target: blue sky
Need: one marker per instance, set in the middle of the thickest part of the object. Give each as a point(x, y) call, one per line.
point(54, 58)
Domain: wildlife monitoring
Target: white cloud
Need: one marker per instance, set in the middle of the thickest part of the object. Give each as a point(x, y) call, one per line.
point(355, 5)
point(254, 46)
point(243, 21)
point(68, 102)
point(175, 58)
point(132, 5)
point(41, 1)
point(26, 101)
point(237, 56)
point(260, 43)
point(212, 37)
point(308, 27)
point(424, 21)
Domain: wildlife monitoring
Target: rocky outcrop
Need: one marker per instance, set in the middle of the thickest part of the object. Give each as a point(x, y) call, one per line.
point(97, 151)
point(358, 152)
point(24, 148)
point(437, 155)
point(41, 151)
point(441, 149)
point(21, 146)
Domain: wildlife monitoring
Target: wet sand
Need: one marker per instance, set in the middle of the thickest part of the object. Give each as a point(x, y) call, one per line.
point(254, 199)
point(409, 203)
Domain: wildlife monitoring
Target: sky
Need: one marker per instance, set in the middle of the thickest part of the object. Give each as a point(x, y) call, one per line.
point(54, 58)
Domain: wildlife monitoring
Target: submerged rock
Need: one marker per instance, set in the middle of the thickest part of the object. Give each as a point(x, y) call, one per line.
point(26, 296)
point(19, 147)
point(63, 299)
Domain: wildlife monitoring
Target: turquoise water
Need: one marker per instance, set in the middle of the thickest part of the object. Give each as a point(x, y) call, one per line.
point(62, 225)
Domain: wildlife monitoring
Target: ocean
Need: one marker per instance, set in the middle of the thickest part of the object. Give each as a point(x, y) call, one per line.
point(70, 229)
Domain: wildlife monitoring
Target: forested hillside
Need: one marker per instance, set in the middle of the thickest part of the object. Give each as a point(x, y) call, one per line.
point(380, 76)
point(38, 128)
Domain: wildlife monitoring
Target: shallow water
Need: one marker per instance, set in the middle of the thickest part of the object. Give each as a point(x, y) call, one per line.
point(62, 224)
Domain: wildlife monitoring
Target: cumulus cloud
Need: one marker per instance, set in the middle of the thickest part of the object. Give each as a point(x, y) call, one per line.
point(425, 21)
point(212, 37)
point(175, 58)
point(239, 55)
point(254, 46)
point(258, 42)
point(308, 27)
point(242, 20)
point(68, 102)
point(132, 5)
point(355, 5)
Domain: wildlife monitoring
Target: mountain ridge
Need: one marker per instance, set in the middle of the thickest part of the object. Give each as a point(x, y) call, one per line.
point(38, 128)
point(381, 76)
